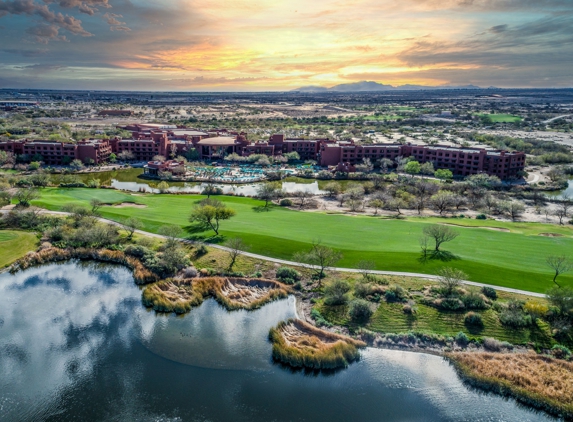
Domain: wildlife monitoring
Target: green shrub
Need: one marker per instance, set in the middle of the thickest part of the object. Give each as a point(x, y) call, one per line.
point(285, 203)
point(560, 351)
point(395, 293)
point(137, 251)
point(288, 275)
point(362, 290)
point(359, 311)
point(450, 304)
point(462, 339)
point(513, 315)
point(200, 251)
point(481, 217)
point(489, 292)
point(473, 319)
point(336, 293)
point(319, 319)
point(474, 300)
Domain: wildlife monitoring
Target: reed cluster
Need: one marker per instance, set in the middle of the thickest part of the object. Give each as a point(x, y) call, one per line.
point(141, 274)
point(536, 380)
point(301, 345)
point(180, 295)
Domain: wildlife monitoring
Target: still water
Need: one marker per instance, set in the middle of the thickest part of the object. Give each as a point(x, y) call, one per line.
point(76, 344)
point(129, 179)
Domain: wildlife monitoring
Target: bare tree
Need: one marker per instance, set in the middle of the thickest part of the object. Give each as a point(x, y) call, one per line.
point(440, 234)
point(25, 196)
point(320, 257)
point(355, 204)
point(560, 264)
point(234, 246)
point(376, 204)
point(333, 189)
point(513, 209)
point(451, 279)
point(96, 204)
point(131, 225)
point(422, 191)
point(490, 202)
point(396, 204)
point(268, 192)
point(442, 201)
point(303, 197)
point(366, 267)
point(563, 207)
point(171, 234)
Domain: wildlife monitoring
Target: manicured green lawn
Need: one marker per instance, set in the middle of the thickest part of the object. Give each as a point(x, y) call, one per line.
point(15, 244)
point(502, 118)
point(512, 259)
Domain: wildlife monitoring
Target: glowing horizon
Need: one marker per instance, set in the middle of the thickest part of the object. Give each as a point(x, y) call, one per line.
point(254, 45)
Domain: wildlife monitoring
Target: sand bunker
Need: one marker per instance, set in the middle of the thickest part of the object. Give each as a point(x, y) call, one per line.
point(550, 234)
point(129, 204)
point(497, 229)
point(299, 344)
point(180, 295)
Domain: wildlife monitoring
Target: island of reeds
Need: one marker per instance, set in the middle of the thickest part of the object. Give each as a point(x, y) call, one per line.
point(301, 345)
point(535, 380)
point(179, 295)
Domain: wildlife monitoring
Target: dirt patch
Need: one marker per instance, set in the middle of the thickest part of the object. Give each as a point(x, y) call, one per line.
point(179, 295)
point(300, 344)
point(550, 234)
point(129, 204)
point(497, 229)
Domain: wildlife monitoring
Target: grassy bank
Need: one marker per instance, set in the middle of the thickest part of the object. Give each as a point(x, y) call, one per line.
point(301, 345)
point(15, 244)
point(537, 381)
point(512, 258)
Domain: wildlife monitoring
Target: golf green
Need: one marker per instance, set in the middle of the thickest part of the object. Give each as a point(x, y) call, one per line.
point(498, 253)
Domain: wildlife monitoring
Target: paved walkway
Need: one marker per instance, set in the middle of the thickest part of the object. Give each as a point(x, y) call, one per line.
point(299, 264)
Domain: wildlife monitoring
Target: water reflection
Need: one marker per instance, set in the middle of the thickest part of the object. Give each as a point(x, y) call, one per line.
point(76, 344)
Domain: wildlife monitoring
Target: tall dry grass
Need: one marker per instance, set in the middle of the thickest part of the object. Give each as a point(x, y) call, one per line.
point(301, 345)
point(539, 381)
point(141, 274)
point(180, 295)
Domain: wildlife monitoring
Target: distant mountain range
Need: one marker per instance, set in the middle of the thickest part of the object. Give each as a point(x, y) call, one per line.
point(371, 86)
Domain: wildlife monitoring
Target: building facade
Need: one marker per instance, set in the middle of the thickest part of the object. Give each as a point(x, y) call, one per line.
point(149, 141)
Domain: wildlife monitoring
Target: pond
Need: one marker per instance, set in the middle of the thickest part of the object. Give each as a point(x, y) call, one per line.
point(567, 191)
point(77, 344)
point(130, 180)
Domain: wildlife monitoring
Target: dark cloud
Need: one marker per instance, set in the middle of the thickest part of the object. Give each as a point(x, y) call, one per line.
point(44, 33)
point(25, 52)
point(32, 8)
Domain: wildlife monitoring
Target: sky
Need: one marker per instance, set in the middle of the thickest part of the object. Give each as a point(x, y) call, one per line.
point(271, 45)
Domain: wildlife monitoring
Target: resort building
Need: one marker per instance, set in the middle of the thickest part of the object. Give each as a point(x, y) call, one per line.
point(150, 140)
point(60, 153)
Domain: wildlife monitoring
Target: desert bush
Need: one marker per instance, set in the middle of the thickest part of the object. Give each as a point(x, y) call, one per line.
point(513, 315)
point(359, 311)
point(137, 251)
point(474, 300)
point(489, 292)
point(285, 202)
point(200, 251)
point(481, 217)
point(288, 275)
point(319, 319)
point(190, 272)
point(560, 352)
point(450, 304)
point(362, 290)
point(462, 339)
point(473, 319)
point(395, 293)
point(336, 292)
point(492, 344)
